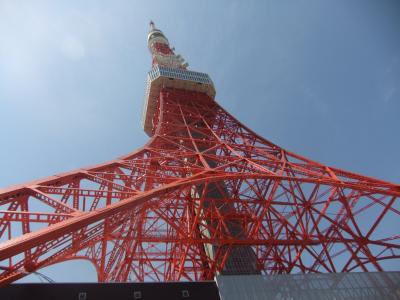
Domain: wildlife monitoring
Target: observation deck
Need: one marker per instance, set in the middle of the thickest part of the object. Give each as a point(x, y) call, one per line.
point(160, 77)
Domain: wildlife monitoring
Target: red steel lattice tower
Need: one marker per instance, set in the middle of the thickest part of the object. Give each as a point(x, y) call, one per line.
point(205, 196)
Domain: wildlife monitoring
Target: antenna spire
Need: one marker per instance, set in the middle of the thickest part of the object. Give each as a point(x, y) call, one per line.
point(152, 26)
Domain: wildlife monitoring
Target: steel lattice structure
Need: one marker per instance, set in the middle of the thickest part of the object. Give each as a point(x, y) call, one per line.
point(205, 196)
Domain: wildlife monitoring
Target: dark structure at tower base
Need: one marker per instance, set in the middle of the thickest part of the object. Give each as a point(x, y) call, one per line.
point(352, 286)
point(112, 291)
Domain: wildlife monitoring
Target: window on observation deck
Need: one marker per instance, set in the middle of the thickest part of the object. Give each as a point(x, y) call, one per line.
point(179, 74)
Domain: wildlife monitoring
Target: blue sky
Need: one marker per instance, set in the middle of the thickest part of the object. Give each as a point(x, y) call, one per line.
point(320, 78)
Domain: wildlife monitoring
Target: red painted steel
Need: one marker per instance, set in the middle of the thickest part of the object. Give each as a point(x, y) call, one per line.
point(203, 187)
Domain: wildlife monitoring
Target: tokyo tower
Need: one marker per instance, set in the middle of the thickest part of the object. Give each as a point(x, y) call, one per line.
point(205, 196)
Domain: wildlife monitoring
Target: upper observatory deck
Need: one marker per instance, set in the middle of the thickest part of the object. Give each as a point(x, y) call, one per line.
point(169, 70)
